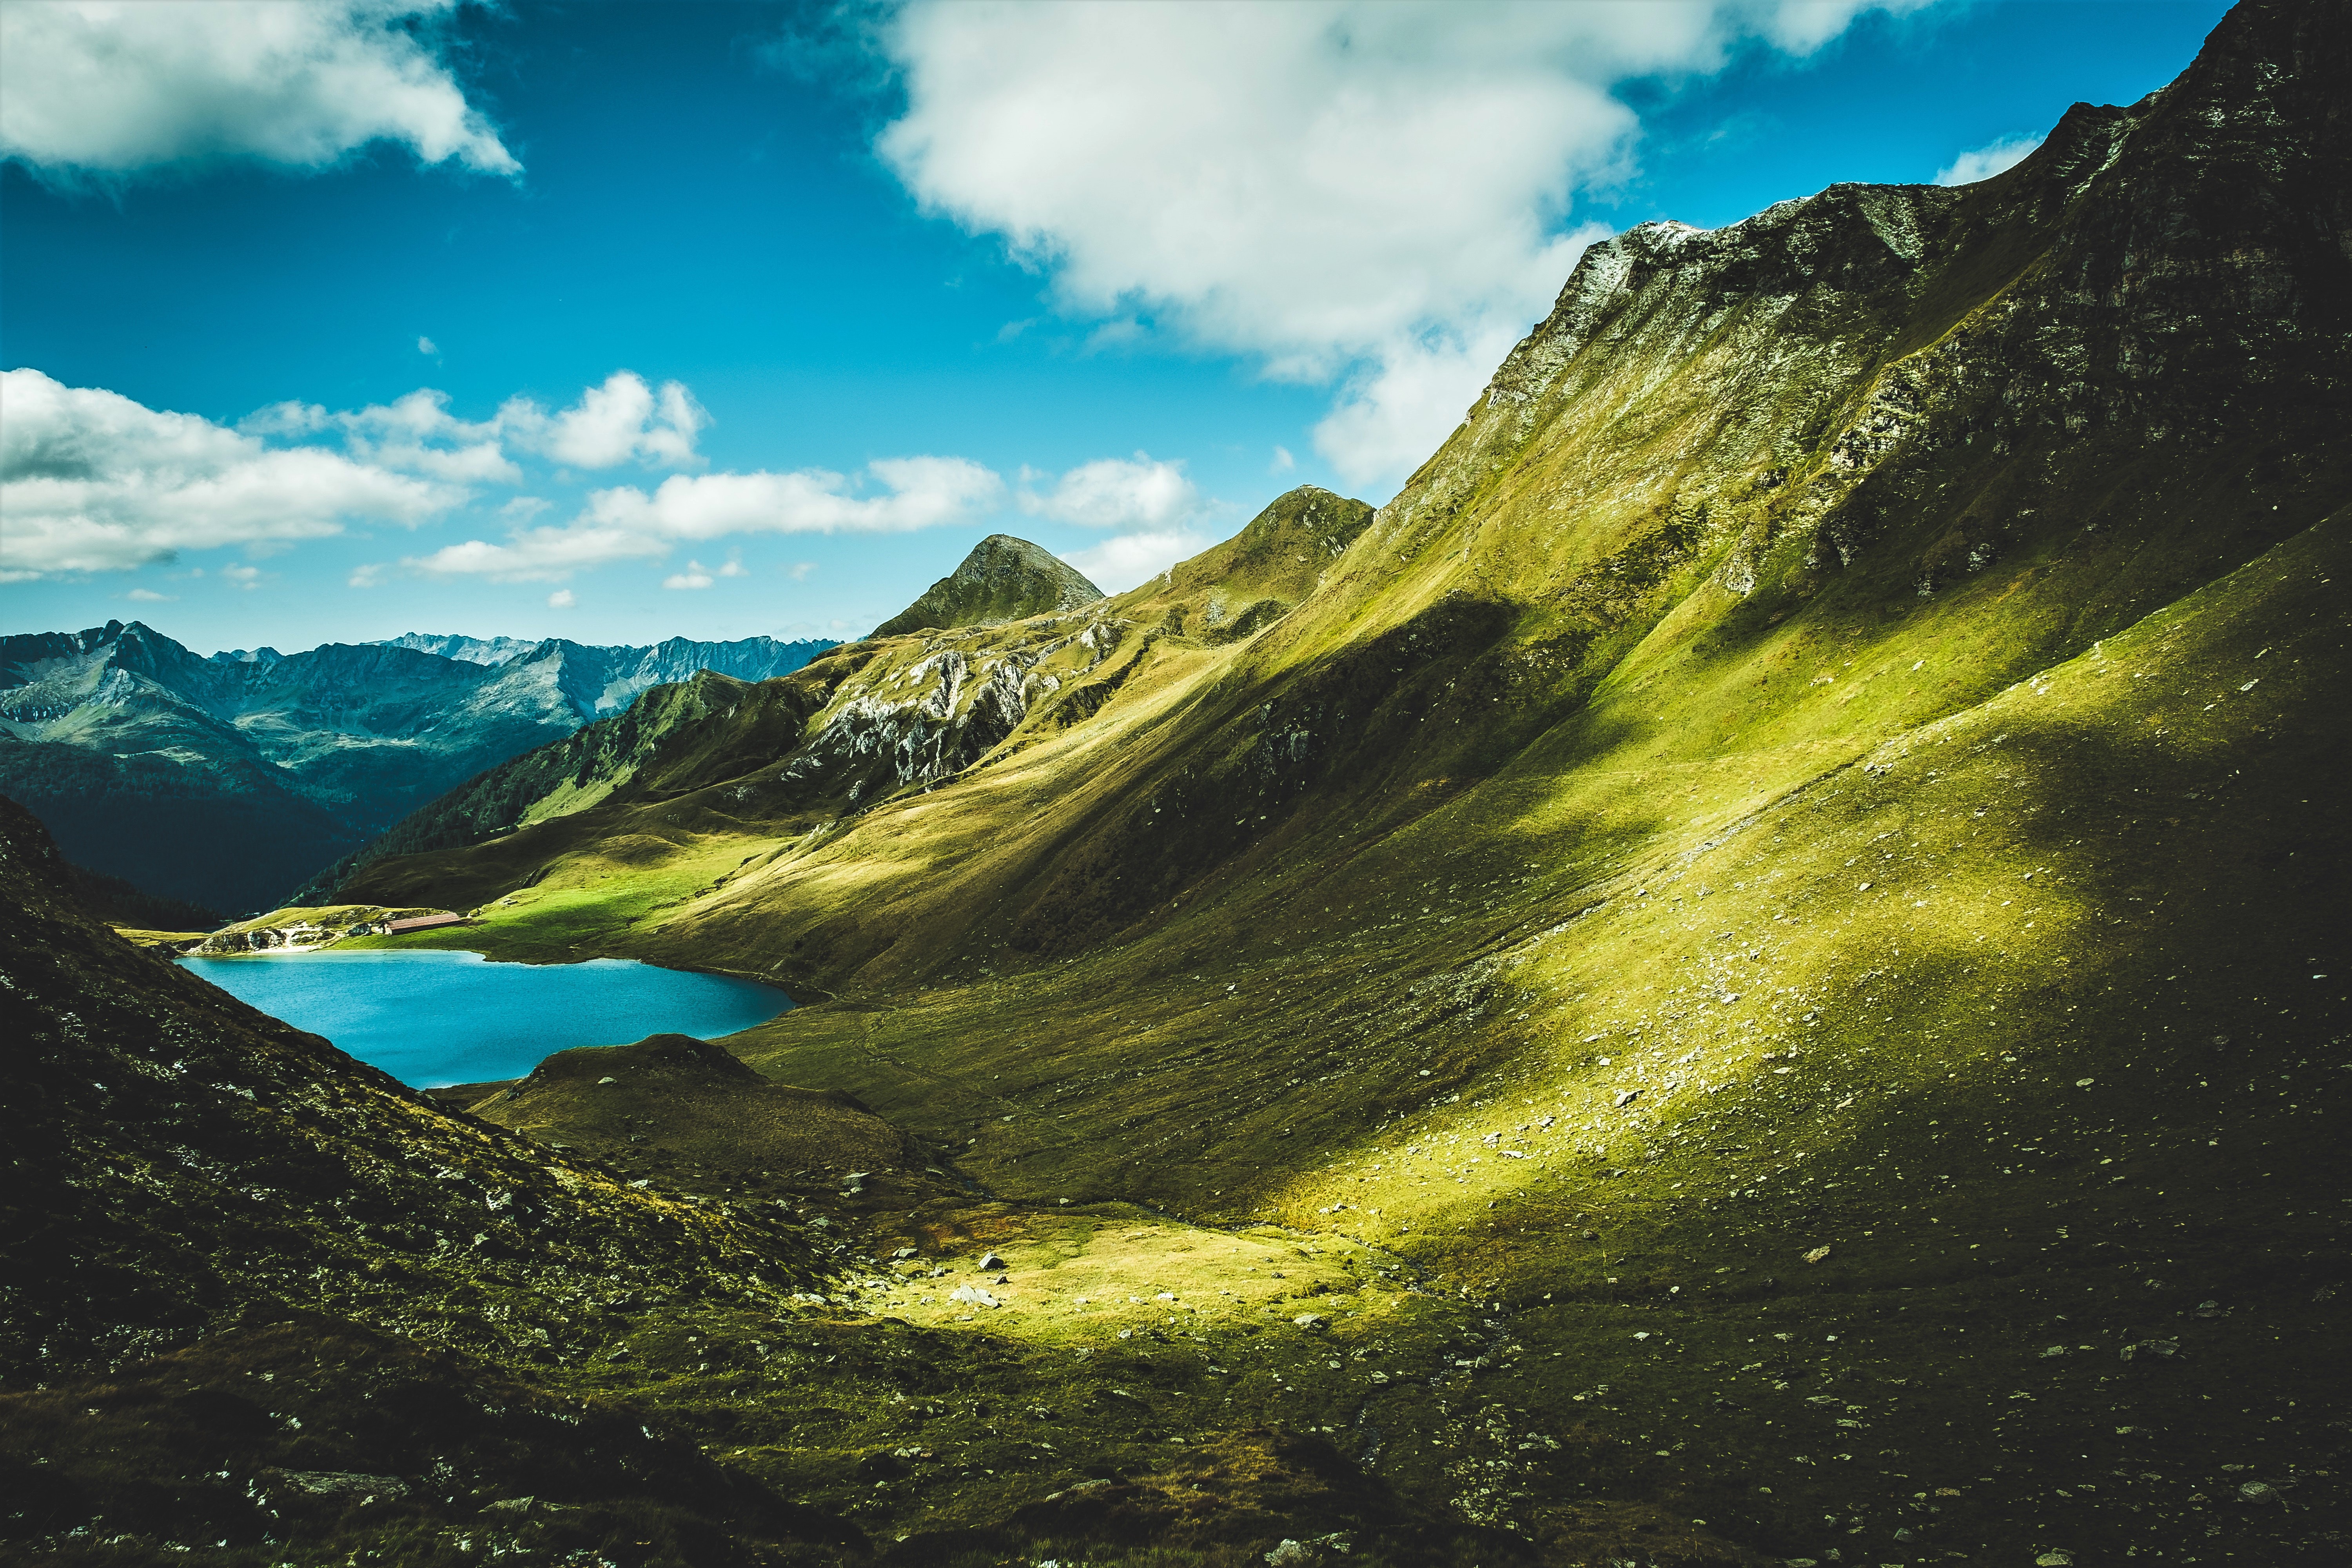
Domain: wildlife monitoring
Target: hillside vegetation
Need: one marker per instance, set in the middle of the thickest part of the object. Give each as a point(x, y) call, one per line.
point(1761, 942)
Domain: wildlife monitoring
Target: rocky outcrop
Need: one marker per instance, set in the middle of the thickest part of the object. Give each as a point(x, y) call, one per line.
point(1003, 579)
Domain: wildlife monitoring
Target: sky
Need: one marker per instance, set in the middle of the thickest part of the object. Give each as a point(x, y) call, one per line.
point(326, 321)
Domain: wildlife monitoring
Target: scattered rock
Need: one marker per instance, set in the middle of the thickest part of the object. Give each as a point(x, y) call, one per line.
point(1816, 1255)
point(1311, 1321)
point(1626, 1096)
point(2160, 1349)
point(2258, 1491)
point(990, 1261)
point(344, 1483)
point(2055, 1560)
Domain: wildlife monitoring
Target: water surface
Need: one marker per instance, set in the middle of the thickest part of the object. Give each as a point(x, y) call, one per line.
point(443, 1016)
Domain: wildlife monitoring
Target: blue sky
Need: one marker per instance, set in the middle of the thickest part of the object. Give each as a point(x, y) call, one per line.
point(746, 318)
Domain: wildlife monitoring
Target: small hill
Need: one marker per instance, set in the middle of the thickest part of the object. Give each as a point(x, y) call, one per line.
point(674, 1104)
point(1233, 589)
point(1003, 579)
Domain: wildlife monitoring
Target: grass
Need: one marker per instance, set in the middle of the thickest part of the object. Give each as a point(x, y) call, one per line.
point(1800, 770)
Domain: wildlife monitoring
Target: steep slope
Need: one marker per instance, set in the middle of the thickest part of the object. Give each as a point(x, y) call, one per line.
point(231, 779)
point(1808, 830)
point(1003, 579)
point(192, 1181)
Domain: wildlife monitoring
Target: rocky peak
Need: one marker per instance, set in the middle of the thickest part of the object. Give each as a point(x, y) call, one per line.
point(1003, 579)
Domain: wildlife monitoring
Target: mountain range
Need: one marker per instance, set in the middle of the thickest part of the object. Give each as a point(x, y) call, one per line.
point(1739, 974)
point(226, 780)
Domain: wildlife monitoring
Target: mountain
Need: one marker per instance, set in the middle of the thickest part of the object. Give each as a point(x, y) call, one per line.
point(1803, 834)
point(1003, 579)
point(228, 780)
point(473, 650)
point(1741, 972)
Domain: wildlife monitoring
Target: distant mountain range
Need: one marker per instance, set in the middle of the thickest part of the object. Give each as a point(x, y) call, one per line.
point(226, 780)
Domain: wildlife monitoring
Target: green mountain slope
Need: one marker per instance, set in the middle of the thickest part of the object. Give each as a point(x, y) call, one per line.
point(1775, 907)
point(1003, 579)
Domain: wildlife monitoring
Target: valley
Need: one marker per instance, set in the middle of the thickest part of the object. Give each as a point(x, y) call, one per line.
point(1748, 972)
point(228, 781)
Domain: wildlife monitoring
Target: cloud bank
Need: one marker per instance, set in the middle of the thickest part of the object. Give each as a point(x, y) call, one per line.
point(91, 481)
point(1372, 191)
point(108, 88)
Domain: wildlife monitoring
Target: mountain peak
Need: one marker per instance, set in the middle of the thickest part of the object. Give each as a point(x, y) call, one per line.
point(1003, 579)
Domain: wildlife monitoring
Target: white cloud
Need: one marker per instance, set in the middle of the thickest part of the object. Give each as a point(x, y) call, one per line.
point(1121, 562)
point(425, 346)
point(1983, 163)
point(734, 567)
point(562, 599)
point(104, 87)
point(149, 596)
point(1372, 190)
point(246, 577)
point(92, 481)
point(1283, 461)
point(693, 576)
point(364, 577)
point(799, 571)
point(611, 424)
point(626, 523)
point(1114, 492)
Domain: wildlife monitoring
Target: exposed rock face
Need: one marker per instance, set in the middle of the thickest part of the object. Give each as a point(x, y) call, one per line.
point(1003, 579)
point(228, 780)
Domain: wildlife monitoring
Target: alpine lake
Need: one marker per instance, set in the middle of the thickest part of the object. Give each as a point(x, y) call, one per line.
point(438, 1017)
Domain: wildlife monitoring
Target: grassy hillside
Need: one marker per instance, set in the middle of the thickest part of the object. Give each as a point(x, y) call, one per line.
point(1791, 872)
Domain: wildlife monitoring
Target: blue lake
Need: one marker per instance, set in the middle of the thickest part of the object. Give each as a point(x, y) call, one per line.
point(436, 1018)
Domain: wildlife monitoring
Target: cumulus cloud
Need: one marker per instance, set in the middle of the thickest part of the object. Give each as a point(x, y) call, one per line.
point(562, 599)
point(895, 495)
point(1372, 191)
point(1114, 492)
point(91, 481)
point(426, 346)
point(1119, 563)
point(149, 596)
point(1983, 163)
point(108, 87)
point(624, 419)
